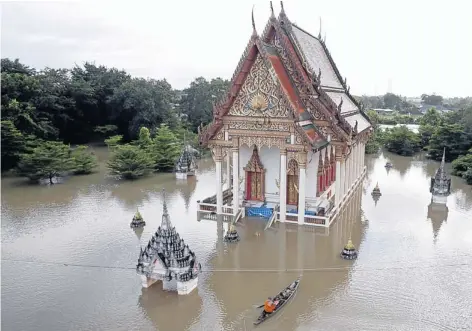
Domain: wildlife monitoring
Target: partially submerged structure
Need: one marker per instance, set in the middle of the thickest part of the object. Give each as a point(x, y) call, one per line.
point(349, 251)
point(232, 235)
point(138, 221)
point(167, 258)
point(290, 132)
point(186, 165)
point(440, 187)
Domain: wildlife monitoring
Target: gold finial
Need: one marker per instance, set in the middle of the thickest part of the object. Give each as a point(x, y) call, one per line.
point(349, 245)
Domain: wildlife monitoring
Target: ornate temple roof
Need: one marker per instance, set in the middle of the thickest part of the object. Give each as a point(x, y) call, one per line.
point(312, 79)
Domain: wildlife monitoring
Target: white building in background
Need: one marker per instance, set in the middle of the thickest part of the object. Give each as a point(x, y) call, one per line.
point(288, 139)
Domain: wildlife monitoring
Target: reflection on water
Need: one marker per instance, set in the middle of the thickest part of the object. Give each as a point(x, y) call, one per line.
point(412, 272)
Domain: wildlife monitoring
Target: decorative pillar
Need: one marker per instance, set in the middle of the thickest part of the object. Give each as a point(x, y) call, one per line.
point(332, 161)
point(218, 156)
point(358, 172)
point(301, 187)
point(338, 190)
point(353, 165)
point(343, 175)
point(228, 168)
point(363, 156)
point(235, 150)
point(346, 174)
point(283, 184)
point(319, 174)
point(360, 157)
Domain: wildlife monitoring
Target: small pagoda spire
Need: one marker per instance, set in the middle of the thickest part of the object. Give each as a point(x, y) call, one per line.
point(440, 183)
point(272, 15)
point(282, 10)
point(166, 224)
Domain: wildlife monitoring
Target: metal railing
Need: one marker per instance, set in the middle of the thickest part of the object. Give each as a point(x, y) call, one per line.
point(273, 217)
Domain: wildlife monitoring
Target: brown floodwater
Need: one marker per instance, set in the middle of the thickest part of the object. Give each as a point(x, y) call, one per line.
point(68, 258)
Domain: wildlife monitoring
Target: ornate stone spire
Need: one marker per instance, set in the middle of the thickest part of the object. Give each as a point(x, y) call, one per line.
point(440, 183)
point(441, 173)
point(165, 224)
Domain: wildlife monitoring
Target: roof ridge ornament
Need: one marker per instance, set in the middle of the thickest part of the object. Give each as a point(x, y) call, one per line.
point(254, 31)
point(272, 15)
point(340, 104)
point(319, 33)
point(282, 10)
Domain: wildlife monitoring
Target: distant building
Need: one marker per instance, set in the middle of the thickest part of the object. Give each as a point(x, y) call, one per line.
point(384, 111)
point(424, 108)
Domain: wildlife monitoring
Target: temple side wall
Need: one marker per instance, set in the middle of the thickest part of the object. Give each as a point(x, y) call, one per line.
point(312, 174)
point(270, 158)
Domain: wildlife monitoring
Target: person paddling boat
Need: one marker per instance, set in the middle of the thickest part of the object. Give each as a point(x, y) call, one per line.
point(269, 306)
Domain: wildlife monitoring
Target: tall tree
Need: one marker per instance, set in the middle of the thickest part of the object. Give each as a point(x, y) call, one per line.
point(130, 162)
point(49, 160)
point(166, 149)
point(13, 145)
point(197, 100)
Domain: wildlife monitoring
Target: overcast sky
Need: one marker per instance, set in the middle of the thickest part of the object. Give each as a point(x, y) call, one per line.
point(406, 47)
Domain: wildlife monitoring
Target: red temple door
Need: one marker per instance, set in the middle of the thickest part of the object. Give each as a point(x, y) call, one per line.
point(255, 175)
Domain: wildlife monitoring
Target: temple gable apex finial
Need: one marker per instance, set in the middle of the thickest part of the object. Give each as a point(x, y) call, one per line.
point(272, 15)
point(319, 33)
point(254, 31)
point(282, 10)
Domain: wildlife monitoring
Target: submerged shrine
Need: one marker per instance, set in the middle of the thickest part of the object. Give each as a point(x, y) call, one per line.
point(289, 132)
point(138, 221)
point(186, 165)
point(349, 251)
point(231, 235)
point(440, 187)
point(168, 258)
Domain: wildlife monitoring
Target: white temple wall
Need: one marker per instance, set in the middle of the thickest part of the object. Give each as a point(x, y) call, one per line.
point(312, 174)
point(245, 154)
point(270, 158)
point(184, 288)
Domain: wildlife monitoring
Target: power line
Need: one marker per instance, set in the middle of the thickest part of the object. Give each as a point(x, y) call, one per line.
point(326, 269)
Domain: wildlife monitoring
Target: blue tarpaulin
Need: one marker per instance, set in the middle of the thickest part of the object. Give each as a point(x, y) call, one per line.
point(259, 211)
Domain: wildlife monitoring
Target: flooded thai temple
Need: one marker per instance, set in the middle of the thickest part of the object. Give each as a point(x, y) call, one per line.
point(288, 131)
point(440, 184)
point(167, 258)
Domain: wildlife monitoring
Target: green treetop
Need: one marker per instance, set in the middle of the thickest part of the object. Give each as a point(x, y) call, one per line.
point(49, 160)
point(166, 149)
point(84, 161)
point(130, 162)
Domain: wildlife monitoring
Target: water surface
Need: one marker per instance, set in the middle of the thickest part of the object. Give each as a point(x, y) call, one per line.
point(68, 258)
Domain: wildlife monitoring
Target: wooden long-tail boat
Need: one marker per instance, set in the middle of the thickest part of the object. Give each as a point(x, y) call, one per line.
point(280, 299)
